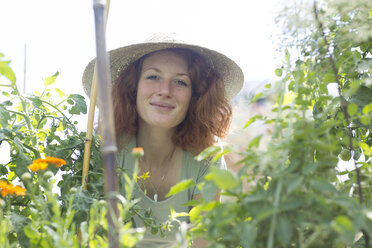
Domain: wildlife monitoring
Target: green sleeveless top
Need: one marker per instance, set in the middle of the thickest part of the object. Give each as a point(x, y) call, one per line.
point(191, 169)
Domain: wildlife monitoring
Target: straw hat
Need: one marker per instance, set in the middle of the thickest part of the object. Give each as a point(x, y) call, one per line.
point(120, 58)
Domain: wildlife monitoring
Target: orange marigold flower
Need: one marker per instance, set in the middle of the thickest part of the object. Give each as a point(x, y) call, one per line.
point(10, 189)
point(42, 163)
point(3, 184)
point(51, 160)
point(137, 151)
point(19, 190)
point(6, 190)
point(38, 166)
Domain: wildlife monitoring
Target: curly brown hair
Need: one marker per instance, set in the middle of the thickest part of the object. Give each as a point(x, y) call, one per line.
point(209, 114)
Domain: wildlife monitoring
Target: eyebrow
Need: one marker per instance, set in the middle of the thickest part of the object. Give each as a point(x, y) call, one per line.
point(157, 70)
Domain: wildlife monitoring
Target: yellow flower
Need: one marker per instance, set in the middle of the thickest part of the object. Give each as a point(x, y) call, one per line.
point(145, 175)
point(10, 189)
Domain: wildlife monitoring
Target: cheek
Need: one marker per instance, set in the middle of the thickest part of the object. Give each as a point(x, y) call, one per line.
point(141, 91)
point(186, 100)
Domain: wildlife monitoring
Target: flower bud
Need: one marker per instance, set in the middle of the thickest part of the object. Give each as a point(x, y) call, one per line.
point(138, 152)
point(73, 190)
point(26, 176)
point(102, 202)
point(48, 174)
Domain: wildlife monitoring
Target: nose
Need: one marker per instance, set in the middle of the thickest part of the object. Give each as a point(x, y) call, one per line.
point(164, 88)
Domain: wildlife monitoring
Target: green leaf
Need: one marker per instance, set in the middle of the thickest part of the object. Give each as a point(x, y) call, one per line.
point(362, 97)
point(208, 152)
point(31, 232)
point(367, 108)
point(51, 80)
point(299, 76)
point(284, 230)
point(364, 65)
point(352, 109)
point(255, 198)
point(80, 105)
point(7, 103)
point(329, 78)
point(18, 222)
point(322, 185)
point(181, 186)
point(35, 101)
point(175, 215)
point(4, 116)
point(224, 179)
point(255, 142)
point(247, 234)
point(196, 212)
point(256, 97)
point(279, 72)
point(252, 119)
point(60, 92)
point(191, 203)
point(6, 71)
point(365, 120)
point(293, 183)
point(344, 226)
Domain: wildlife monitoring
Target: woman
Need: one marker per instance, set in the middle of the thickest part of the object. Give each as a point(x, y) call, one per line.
point(172, 99)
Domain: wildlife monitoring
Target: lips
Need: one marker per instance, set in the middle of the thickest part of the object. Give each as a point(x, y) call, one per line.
point(162, 105)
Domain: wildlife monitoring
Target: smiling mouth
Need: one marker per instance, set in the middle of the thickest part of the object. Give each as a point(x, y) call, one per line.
point(162, 106)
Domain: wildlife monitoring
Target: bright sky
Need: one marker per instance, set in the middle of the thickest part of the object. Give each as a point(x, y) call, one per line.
point(59, 34)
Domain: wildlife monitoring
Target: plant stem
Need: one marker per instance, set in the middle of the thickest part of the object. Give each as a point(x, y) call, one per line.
point(344, 109)
point(68, 120)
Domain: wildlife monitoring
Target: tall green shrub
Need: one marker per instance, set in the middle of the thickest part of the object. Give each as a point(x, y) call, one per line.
point(298, 198)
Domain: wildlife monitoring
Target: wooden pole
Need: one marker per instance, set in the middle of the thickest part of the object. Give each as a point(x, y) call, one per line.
point(92, 105)
point(107, 123)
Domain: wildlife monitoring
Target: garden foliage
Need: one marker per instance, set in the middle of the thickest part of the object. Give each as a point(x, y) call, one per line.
point(51, 209)
point(312, 184)
point(310, 187)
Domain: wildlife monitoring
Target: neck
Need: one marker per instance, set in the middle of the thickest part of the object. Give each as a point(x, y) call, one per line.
point(157, 145)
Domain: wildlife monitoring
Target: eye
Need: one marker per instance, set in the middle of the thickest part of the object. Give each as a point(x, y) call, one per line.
point(152, 77)
point(181, 83)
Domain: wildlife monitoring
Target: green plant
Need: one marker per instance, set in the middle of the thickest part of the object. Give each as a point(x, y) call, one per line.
point(298, 199)
point(54, 209)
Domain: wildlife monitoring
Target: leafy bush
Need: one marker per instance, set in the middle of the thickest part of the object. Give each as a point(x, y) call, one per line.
point(40, 128)
point(303, 194)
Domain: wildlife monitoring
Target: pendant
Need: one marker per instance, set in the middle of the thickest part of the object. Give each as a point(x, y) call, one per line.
point(156, 197)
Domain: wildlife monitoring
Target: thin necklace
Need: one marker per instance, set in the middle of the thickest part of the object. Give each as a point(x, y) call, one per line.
point(163, 177)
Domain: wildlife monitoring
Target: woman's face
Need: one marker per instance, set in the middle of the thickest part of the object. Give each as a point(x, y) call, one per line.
point(164, 90)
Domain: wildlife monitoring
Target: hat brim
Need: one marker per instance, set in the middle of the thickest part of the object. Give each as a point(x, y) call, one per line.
point(120, 58)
